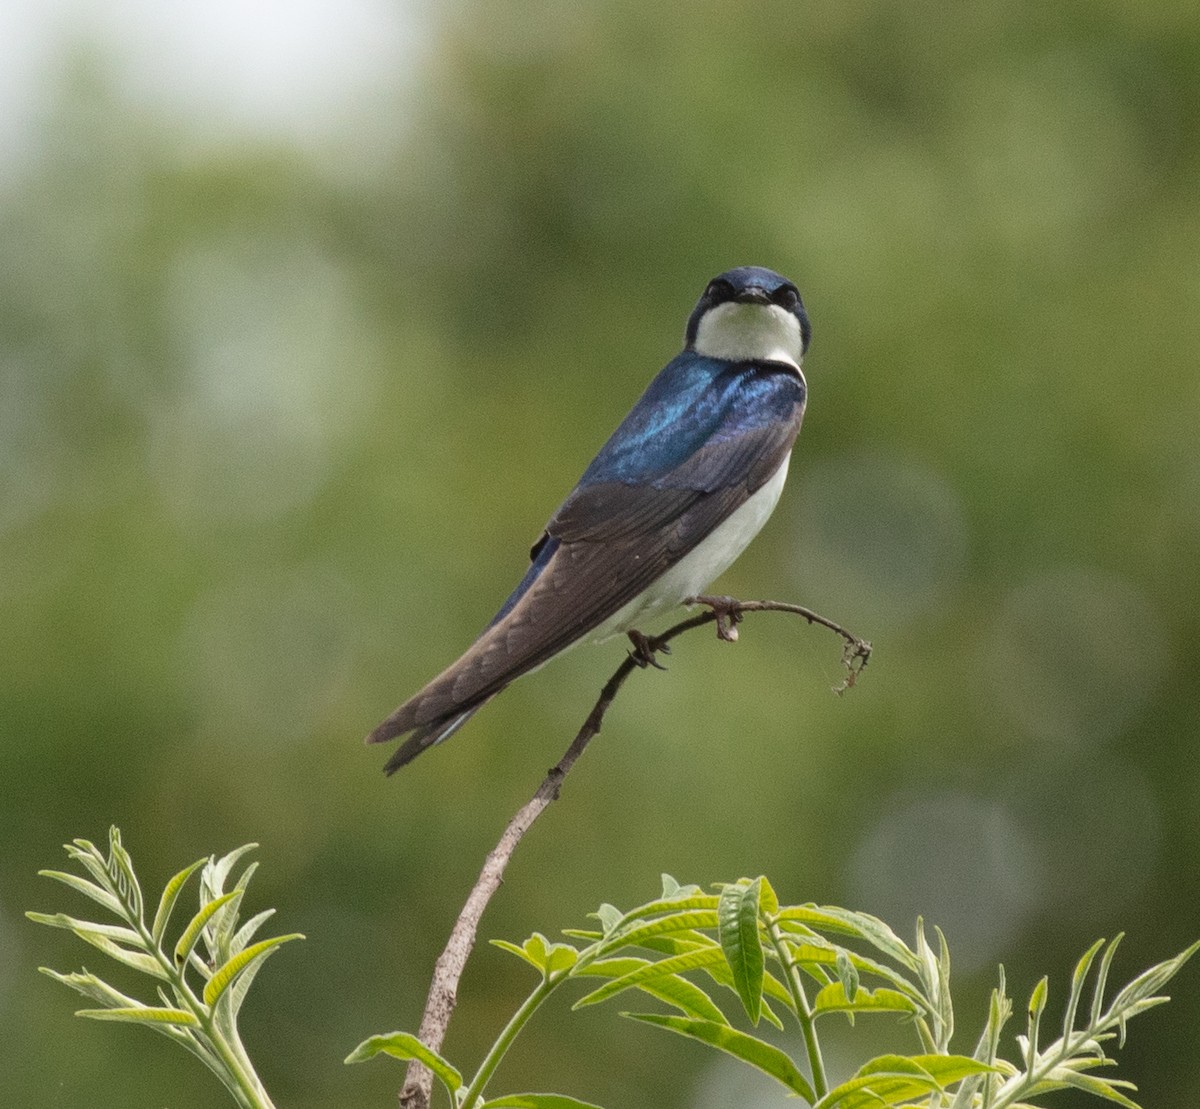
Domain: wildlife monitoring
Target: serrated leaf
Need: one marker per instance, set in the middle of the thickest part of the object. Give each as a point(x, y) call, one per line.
point(519, 952)
point(118, 933)
point(560, 957)
point(402, 1045)
point(609, 916)
point(1098, 1087)
point(216, 871)
point(737, 917)
point(246, 932)
point(1037, 1005)
point(91, 986)
point(191, 933)
point(1078, 979)
point(862, 926)
point(891, 1079)
point(847, 975)
point(142, 1015)
point(758, 1053)
point(833, 999)
point(1102, 977)
point(537, 1101)
point(690, 960)
point(89, 857)
point(675, 904)
point(536, 950)
point(683, 921)
point(88, 889)
point(807, 954)
point(120, 867)
point(170, 895)
point(95, 935)
point(674, 989)
point(224, 976)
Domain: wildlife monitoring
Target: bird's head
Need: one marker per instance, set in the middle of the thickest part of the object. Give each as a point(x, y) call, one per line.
point(750, 314)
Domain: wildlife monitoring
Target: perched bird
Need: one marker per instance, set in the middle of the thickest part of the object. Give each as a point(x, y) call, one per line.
point(673, 497)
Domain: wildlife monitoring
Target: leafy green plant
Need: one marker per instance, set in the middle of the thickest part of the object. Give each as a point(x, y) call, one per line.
point(201, 979)
point(717, 959)
point(803, 964)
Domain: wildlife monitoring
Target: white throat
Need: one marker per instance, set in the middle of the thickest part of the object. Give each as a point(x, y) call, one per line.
point(749, 333)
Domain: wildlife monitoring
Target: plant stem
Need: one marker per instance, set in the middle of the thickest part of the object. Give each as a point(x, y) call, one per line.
point(504, 1041)
point(246, 1087)
point(803, 1013)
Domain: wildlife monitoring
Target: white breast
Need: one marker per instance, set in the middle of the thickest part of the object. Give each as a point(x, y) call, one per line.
point(706, 561)
point(749, 333)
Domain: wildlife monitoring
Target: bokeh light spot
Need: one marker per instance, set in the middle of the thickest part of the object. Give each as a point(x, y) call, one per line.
point(1074, 654)
point(961, 861)
point(879, 538)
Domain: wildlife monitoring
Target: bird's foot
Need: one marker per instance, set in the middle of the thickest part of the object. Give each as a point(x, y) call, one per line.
point(728, 613)
point(645, 647)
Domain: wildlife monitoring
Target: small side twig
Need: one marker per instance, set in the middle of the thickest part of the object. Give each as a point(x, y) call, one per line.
point(726, 613)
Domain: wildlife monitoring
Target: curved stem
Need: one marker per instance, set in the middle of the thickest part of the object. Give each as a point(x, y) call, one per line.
point(245, 1087)
point(504, 1041)
point(804, 1014)
point(443, 990)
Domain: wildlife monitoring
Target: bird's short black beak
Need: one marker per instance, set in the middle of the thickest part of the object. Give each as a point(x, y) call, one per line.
point(752, 294)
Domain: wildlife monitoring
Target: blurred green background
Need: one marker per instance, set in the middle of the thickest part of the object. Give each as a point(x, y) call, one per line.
point(311, 314)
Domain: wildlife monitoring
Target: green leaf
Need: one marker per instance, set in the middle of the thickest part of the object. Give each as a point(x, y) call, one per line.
point(768, 900)
point(170, 895)
point(1102, 977)
point(519, 952)
point(1098, 1087)
point(191, 933)
point(560, 957)
point(402, 1045)
point(223, 978)
point(847, 974)
point(833, 999)
point(1037, 1005)
point(95, 988)
point(118, 933)
point(737, 916)
point(674, 904)
point(246, 932)
point(140, 1014)
point(120, 867)
point(649, 971)
point(863, 926)
point(808, 954)
point(88, 856)
point(683, 921)
point(88, 889)
point(536, 950)
point(891, 1079)
point(609, 916)
point(96, 935)
point(537, 1101)
point(674, 989)
point(758, 1053)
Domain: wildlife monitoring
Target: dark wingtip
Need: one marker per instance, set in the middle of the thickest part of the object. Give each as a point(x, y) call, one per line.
point(389, 728)
point(407, 751)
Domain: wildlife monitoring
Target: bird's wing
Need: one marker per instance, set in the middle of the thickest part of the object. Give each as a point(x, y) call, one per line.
point(608, 542)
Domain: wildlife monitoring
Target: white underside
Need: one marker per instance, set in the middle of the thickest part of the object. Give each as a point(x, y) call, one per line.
point(749, 333)
point(706, 561)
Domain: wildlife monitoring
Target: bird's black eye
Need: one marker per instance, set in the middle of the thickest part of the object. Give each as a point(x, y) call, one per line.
point(718, 290)
point(786, 297)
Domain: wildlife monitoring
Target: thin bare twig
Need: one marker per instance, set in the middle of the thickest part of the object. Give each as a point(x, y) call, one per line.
point(726, 613)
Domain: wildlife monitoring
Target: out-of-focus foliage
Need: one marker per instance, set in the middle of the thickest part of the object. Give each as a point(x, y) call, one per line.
point(278, 421)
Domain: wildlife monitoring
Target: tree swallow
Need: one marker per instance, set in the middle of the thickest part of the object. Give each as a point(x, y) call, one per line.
point(674, 496)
